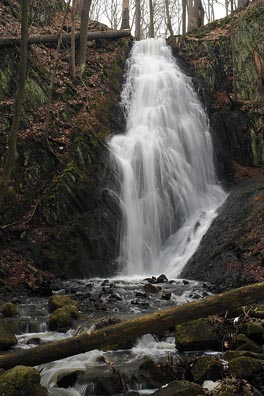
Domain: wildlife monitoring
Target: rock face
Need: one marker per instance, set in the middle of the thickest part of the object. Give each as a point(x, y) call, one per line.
point(63, 190)
point(235, 240)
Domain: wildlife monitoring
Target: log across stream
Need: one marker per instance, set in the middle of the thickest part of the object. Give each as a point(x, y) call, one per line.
point(150, 323)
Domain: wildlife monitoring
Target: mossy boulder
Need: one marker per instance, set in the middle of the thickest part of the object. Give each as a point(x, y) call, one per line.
point(151, 374)
point(8, 328)
point(62, 318)
point(249, 369)
point(254, 331)
point(180, 388)
point(8, 310)
point(197, 335)
point(21, 381)
point(59, 301)
point(207, 368)
point(244, 343)
point(230, 355)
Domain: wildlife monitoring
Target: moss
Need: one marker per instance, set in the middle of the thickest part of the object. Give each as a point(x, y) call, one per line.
point(8, 310)
point(245, 367)
point(8, 328)
point(59, 301)
point(196, 335)
point(21, 381)
point(34, 95)
point(62, 318)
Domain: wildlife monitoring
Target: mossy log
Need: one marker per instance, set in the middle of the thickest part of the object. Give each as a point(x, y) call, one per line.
point(7, 42)
point(150, 323)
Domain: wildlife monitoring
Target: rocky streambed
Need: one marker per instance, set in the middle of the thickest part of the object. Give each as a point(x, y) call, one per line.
point(221, 355)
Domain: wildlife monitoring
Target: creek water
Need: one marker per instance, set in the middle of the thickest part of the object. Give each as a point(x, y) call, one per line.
point(169, 191)
point(169, 195)
point(100, 300)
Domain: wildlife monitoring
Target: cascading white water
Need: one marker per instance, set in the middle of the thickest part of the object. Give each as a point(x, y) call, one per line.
point(169, 191)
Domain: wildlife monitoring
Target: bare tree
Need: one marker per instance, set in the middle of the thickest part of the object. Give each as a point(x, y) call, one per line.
point(73, 20)
point(168, 17)
point(137, 19)
point(195, 14)
point(125, 15)
point(151, 19)
point(83, 35)
point(234, 63)
point(12, 143)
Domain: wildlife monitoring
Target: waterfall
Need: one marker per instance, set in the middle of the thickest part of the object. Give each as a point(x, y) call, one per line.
point(169, 191)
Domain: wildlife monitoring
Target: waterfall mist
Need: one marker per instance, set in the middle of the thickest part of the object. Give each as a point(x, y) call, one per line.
point(169, 190)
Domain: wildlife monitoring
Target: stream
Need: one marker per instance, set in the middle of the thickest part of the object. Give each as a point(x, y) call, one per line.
point(101, 300)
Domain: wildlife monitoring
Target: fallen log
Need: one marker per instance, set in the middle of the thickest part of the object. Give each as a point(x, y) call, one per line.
point(7, 42)
point(150, 323)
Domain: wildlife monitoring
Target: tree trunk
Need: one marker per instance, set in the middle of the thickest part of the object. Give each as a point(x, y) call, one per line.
point(233, 52)
point(195, 15)
point(151, 323)
point(83, 35)
point(73, 20)
point(151, 19)
point(125, 15)
point(168, 17)
point(138, 21)
point(12, 143)
point(8, 42)
point(184, 9)
point(51, 86)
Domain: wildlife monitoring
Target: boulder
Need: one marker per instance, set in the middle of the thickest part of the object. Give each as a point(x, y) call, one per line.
point(58, 301)
point(180, 388)
point(8, 328)
point(229, 355)
point(8, 310)
point(244, 343)
point(21, 381)
point(151, 374)
point(254, 331)
point(249, 369)
point(197, 335)
point(207, 368)
point(62, 318)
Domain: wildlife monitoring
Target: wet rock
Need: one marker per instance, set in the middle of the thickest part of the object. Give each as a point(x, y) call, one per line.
point(180, 388)
point(21, 381)
point(246, 344)
point(166, 296)
point(229, 355)
point(162, 279)
point(108, 386)
point(197, 335)
point(254, 331)
point(8, 328)
point(8, 310)
point(207, 368)
point(34, 341)
point(62, 318)
point(68, 380)
point(151, 374)
point(248, 368)
point(59, 301)
point(153, 279)
point(151, 289)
